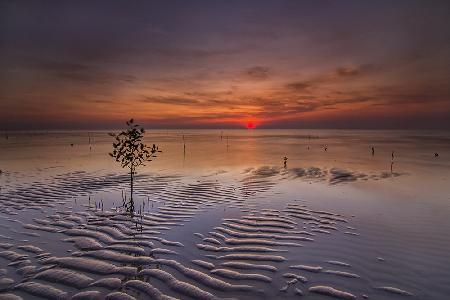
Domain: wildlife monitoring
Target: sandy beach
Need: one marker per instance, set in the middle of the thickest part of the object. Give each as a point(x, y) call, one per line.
point(210, 224)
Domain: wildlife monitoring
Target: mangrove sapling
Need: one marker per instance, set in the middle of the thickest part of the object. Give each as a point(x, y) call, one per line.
point(131, 152)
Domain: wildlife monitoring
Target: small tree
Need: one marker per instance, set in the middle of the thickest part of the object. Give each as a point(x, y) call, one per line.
point(130, 151)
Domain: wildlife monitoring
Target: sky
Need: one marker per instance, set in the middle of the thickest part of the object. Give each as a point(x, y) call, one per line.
point(225, 64)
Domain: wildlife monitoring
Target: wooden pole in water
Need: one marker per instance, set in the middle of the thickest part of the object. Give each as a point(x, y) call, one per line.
point(184, 146)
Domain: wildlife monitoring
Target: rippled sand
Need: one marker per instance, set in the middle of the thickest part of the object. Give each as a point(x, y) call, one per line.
point(248, 232)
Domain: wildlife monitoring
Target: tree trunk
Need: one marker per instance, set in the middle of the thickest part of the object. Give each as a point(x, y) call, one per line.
point(131, 205)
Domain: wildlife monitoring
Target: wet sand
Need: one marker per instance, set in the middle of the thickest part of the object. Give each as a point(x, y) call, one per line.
point(231, 225)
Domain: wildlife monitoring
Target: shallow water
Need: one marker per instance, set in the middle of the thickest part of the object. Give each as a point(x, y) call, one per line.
point(223, 217)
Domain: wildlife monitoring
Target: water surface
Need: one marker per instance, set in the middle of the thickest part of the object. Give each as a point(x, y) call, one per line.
point(373, 225)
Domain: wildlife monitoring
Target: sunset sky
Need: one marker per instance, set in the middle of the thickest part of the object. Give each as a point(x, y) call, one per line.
point(222, 64)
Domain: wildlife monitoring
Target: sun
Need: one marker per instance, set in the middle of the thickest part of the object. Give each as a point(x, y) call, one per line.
point(250, 125)
point(250, 122)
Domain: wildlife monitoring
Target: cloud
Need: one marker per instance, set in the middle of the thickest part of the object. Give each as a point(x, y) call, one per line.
point(351, 71)
point(78, 71)
point(194, 53)
point(257, 73)
point(171, 100)
point(299, 85)
point(98, 77)
point(345, 72)
point(338, 75)
point(215, 62)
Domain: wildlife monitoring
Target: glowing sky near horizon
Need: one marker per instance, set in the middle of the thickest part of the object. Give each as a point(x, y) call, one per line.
point(179, 64)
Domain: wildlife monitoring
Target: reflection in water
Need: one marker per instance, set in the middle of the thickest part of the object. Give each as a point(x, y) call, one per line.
point(222, 221)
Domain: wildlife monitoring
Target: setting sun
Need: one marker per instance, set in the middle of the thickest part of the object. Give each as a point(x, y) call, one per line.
point(251, 123)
